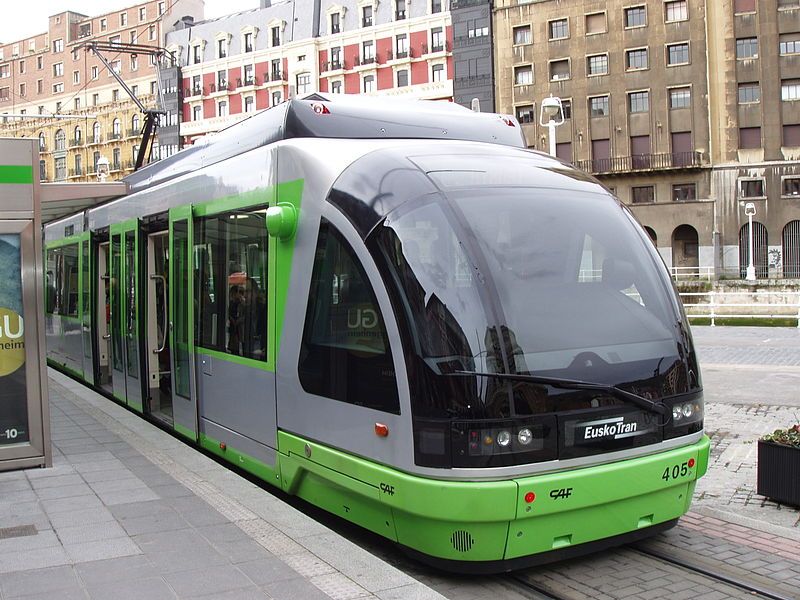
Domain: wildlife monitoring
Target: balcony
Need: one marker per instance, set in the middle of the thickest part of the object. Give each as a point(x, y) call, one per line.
point(76, 172)
point(642, 162)
point(132, 133)
point(115, 135)
point(75, 142)
point(95, 139)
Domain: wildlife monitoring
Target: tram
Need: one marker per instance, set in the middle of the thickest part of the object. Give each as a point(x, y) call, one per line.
point(398, 313)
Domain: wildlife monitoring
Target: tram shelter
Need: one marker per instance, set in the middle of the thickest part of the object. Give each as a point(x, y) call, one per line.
point(25, 205)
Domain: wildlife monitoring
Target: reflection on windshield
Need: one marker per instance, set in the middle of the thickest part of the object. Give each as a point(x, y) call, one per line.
point(535, 281)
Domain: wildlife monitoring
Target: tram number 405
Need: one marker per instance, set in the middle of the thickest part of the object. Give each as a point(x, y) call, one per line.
point(676, 471)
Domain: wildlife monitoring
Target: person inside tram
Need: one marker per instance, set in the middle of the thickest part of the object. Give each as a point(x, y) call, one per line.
point(235, 318)
point(254, 322)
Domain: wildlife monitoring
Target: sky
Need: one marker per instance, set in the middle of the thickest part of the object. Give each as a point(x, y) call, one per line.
point(28, 18)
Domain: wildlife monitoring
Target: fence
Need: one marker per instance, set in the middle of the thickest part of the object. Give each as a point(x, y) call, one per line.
point(700, 273)
point(719, 305)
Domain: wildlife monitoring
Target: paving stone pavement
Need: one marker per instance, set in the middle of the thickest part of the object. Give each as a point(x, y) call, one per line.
point(127, 511)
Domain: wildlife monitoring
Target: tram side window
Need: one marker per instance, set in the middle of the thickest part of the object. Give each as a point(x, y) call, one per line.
point(61, 281)
point(230, 283)
point(345, 353)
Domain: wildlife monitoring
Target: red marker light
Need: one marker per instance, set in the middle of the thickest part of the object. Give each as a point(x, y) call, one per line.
point(530, 497)
point(381, 430)
point(320, 108)
point(223, 446)
point(691, 463)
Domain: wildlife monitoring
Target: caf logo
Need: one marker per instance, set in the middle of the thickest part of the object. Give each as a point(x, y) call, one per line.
point(12, 341)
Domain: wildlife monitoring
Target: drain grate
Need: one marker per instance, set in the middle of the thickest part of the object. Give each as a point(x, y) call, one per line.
point(18, 531)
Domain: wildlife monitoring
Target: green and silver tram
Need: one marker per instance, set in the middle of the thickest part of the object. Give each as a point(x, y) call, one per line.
point(401, 315)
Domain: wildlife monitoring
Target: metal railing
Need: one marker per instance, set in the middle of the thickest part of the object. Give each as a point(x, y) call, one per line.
point(718, 305)
point(641, 162)
point(683, 273)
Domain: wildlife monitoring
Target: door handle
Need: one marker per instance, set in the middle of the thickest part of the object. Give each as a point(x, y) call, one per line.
point(107, 336)
point(164, 305)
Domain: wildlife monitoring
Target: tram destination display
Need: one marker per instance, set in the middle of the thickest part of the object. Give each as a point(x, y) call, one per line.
point(13, 389)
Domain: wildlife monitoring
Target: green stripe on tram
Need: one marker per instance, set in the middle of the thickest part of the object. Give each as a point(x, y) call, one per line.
point(16, 174)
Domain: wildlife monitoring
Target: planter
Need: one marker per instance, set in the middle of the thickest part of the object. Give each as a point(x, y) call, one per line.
point(779, 472)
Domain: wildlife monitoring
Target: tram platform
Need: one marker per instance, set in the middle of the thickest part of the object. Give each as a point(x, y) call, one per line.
point(128, 511)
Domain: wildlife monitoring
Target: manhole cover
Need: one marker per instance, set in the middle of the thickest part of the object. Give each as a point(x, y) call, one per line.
point(18, 531)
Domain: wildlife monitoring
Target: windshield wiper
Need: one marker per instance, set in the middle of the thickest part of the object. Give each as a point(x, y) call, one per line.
point(576, 384)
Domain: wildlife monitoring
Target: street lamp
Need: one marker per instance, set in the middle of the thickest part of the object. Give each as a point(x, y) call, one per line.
point(554, 113)
point(103, 167)
point(750, 210)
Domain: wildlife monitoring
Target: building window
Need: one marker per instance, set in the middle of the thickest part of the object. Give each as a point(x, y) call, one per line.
point(61, 140)
point(248, 42)
point(367, 52)
point(525, 113)
point(636, 59)
point(95, 73)
point(95, 99)
point(336, 59)
point(680, 97)
point(476, 28)
point(558, 29)
point(249, 104)
point(744, 6)
point(248, 77)
point(791, 135)
point(598, 106)
point(58, 88)
point(749, 92)
point(643, 194)
point(123, 19)
point(336, 22)
point(222, 48)
point(522, 35)
point(115, 95)
point(58, 45)
point(197, 54)
point(789, 44)
point(369, 84)
point(676, 10)
point(196, 85)
point(58, 70)
point(436, 6)
point(635, 16)
point(222, 79)
point(747, 48)
point(790, 90)
point(197, 113)
point(161, 8)
point(366, 16)
point(275, 69)
point(596, 23)
point(39, 63)
point(276, 35)
point(751, 188)
point(437, 73)
point(78, 165)
point(566, 109)
point(400, 10)
point(142, 13)
point(303, 83)
point(683, 192)
point(437, 40)
point(222, 108)
point(677, 54)
point(336, 87)
point(559, 69)
point(151, 33)
point(523, 75)
point(790, 186)
point(96, 133)
point(21, 67)
point(402, 78)
point(749, 137)
point(401, 46)
point(639, 102)
point(103, 24)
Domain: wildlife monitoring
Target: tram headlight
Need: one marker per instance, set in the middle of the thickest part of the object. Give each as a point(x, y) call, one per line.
point(687, 417)
point(525, 436)
point(503, 439)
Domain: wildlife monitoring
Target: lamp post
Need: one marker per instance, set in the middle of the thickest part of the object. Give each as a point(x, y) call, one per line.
point(554, 113)
point(750, 210)
point(102, 168)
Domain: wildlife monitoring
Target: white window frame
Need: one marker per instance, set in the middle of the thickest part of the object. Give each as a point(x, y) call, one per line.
point(688, 53)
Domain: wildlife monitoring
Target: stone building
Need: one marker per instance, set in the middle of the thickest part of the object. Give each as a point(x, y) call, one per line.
point(686, 109)
point(62, 94)
point(255, 59)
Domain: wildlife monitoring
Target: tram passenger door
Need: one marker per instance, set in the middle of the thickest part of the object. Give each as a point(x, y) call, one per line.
point(125, 338)
point(181, 326)
point(159, 368)
point(103, 317)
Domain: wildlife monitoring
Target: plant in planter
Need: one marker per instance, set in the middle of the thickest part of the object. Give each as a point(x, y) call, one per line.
point(779, 465)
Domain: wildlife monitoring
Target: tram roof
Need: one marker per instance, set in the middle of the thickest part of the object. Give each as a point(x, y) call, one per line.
point(340, 116)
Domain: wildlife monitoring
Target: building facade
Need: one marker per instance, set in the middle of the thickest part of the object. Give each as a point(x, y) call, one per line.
point(81, 112)
point(687, 109)
point(252, 60)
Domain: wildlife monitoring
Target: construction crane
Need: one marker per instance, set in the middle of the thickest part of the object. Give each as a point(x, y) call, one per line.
point(151, 115)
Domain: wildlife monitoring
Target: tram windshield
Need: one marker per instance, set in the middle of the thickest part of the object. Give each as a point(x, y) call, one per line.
point(545, 282)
